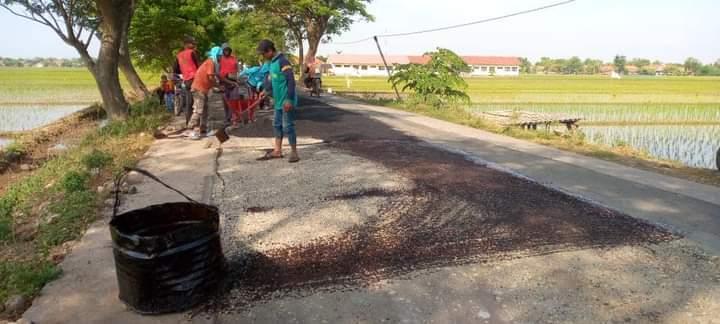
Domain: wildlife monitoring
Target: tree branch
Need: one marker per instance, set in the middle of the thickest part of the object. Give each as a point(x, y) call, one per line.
point(31, 18)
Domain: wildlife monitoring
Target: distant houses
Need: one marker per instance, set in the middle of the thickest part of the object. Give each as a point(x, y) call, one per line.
point(372, 65)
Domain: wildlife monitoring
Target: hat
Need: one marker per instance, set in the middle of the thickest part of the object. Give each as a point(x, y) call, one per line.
point(215, 52)
point(265, 45)
point(190, 40)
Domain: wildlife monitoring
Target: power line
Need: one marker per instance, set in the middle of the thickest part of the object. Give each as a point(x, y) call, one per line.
point(524, 12)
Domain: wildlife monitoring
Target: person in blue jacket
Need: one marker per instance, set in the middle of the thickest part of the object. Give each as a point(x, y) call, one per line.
point(280, 83)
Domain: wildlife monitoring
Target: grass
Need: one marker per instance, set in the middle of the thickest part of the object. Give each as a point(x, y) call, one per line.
point(61, 198)
point(57, 86)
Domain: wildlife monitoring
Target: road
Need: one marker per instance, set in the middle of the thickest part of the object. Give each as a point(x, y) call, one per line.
point(395, 217)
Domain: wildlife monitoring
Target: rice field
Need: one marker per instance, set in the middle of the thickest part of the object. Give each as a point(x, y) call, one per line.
point(671, 118)
point(694, 146)
point(637, 113)
point(44, 86)
point(27, 117)
point(566, 89)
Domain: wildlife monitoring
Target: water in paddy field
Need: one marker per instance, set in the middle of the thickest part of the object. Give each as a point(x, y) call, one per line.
point(4, 141)
point(692, 145)
point(21, 118)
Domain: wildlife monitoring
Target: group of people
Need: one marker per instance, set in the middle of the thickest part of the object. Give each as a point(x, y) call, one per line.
point(243, 90)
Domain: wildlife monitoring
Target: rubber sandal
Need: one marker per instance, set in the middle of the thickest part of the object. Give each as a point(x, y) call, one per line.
point(294, 159)
point(269, 156)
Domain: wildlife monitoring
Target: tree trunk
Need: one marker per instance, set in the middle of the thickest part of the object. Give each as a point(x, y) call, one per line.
point(301, 53)
point(315, 31)
point(116, 16)
point(313, 44)
point(301, 50)
point(125, 62)
point(131, 75)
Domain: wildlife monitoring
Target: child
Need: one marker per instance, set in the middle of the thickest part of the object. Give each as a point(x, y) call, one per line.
point(281, 84)
point(256, 76)
point(168, 91)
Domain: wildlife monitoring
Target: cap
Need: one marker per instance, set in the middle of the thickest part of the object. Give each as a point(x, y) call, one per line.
point(190, 40)
point(214, 52)
point(265, 45)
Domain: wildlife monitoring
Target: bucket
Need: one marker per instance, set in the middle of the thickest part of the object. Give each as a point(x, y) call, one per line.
point(168, 256)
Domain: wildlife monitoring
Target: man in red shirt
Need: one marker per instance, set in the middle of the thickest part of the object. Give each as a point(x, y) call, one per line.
point(228, 73)
point(187, 63)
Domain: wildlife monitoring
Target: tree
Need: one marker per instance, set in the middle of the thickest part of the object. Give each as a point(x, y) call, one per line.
point(313, 19)
point(77, 23)
point(159, 27)
point(619, 62)
point(436, 83)
point(525, 65)
point(717, 63)
point(591, 66)
point(692, 65)
point(674, 69)
point(247, 28)
point(546, 64)
point(640, 62)
point(573, 65)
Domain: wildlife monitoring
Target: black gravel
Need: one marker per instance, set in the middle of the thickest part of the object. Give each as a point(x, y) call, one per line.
point(459, 212)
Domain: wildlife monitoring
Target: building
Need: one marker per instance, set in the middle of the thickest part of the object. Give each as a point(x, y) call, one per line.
point(372, 65)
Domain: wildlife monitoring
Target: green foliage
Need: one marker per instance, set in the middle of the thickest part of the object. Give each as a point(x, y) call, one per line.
point(692, 65)
point(525, 65)
point(25, 278)
point(313, 20)
point(75, 181)
point(619, 62)
point(96, 159)
point(436, 83)
point(573, 66)
point(159, 26)
point(247, 28)
point(73, 213)
point(640, 62)
point(146, 116)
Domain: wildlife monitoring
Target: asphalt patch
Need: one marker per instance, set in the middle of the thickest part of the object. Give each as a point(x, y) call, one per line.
point(459, 212)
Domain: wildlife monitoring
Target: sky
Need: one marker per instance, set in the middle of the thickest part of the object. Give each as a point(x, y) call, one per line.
point(666, 30)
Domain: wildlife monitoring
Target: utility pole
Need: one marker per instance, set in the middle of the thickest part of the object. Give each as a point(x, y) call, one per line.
point(387, 68)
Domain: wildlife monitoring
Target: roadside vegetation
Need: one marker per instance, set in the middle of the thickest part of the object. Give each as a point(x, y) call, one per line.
point(436, 89)
point(619, 152)
point(44, 211)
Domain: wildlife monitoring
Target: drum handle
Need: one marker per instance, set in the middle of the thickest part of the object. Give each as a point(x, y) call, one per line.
point(127, 170)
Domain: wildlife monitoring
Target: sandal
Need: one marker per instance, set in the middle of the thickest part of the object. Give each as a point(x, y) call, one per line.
point(269, 156)
point(294, 158)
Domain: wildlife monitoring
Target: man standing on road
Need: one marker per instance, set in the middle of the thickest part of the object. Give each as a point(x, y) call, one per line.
point(186, 64)
point(281, 85)
point(203, 82)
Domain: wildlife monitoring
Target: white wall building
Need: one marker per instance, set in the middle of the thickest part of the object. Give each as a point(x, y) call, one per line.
point(372, 65)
